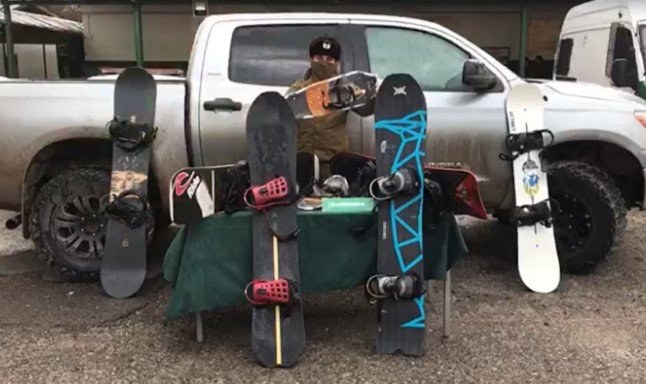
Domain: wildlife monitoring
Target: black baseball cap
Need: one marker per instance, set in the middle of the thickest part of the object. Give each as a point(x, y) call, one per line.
point(325, 46)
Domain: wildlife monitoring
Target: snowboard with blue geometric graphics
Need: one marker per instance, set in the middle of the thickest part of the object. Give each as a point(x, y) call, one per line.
point(400, 135)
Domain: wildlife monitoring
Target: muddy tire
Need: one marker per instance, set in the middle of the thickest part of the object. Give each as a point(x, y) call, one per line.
point(68, 225)
point(589, 217)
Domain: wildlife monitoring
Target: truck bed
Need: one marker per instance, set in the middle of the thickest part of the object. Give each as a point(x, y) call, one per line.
point(41, 113)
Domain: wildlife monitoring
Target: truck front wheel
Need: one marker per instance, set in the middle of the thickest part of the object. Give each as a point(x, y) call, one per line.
point(589, 214)
point(68, 225)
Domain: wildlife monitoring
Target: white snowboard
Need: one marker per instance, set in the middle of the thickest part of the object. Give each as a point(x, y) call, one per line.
point(538, 262)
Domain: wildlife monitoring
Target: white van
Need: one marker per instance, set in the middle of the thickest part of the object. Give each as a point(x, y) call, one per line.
point(603, 42)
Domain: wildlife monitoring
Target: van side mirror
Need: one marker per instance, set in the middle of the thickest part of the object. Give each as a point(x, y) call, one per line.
point(476, 75)
point(620, 76)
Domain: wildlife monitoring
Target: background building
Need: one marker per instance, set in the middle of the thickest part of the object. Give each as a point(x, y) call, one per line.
point(500, 27)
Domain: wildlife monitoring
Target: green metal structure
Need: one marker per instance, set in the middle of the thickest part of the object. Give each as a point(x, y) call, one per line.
point(522, 5)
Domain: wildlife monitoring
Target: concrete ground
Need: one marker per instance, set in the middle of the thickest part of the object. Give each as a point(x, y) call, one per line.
point(592, 330)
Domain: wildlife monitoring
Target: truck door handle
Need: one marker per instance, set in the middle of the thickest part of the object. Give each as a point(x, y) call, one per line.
point(222, 104)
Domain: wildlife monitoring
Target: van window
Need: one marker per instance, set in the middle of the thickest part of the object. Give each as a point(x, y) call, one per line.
point(564, 57)
point(273, 55)
point(642, 41)
point(621, 47)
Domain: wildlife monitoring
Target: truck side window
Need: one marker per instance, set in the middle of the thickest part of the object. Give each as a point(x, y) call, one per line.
point(434, 62)
point(623, 47)
point(565, 55)
point(273, 55)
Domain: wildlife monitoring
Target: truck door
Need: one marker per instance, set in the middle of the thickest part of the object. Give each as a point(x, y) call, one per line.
point(465, 128)
point(243, 60)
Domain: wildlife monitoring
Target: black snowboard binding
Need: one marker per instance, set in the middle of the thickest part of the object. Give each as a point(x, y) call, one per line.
point(528, 215)
point(274, 193)
point(129, 136)
point(341, 95)
point(129, 207)
point(520, 143)
point(236, 182)
point(403, 287)
point(281, 292)
point(405, 181)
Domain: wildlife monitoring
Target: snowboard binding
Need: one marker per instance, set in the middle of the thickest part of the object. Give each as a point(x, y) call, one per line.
point(519, 143)
point(281, 292)
point(528, 215)
point(236, 182)
point(276, 192)
point(404, 181)
point(129, 136)
point(403, 287)
point(341, 95)
point(129, 207)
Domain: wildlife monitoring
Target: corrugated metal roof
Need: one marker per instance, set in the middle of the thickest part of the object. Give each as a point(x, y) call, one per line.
point(44, 22)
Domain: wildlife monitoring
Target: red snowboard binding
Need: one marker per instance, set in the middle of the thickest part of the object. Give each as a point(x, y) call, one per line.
point(274, 193)
point(271, 292)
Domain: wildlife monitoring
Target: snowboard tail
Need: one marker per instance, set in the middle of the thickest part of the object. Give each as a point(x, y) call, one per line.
point(123, 268)
point(278, 333)
point(400, 132)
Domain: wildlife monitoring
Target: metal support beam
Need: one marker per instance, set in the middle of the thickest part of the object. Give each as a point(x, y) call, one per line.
point(139, 36)
point(523, 40)
point(11, 68)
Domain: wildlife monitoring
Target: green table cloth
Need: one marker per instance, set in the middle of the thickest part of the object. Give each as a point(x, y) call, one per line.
point(209, 263)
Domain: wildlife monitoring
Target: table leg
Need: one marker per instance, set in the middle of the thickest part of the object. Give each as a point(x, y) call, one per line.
point(198, 326)
point(447, 304)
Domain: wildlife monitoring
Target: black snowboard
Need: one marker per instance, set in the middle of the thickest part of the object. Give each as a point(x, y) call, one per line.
point(278, 333)
point(123, 268)
point(400, 135)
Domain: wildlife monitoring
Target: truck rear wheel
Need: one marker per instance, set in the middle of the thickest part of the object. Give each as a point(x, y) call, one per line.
point(589, 217)
point(68, 226)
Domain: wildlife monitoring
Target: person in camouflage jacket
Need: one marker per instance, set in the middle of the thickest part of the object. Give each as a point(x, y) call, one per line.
point(323, 136)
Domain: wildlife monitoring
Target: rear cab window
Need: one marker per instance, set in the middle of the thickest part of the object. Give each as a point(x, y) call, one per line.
point(276, 55)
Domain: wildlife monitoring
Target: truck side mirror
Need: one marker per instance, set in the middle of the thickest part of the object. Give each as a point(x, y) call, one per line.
point(620, 76)
point(476, 75)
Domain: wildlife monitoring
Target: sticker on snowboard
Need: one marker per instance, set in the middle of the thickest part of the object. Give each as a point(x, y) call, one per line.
point(339, 93)
point(538, 262)
point(200, 192)
point(278, 333)
point(123, 268)
point(398, 287)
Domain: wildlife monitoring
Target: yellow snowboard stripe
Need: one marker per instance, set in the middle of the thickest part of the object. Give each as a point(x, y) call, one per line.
point(279, 348)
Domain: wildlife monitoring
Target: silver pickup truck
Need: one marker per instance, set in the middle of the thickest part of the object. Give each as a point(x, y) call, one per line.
point(55, 151)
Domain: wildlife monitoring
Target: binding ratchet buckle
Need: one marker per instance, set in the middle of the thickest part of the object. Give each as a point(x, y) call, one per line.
point(527, 215)
point(130, 135)
point(272, 292)
point(519, 143)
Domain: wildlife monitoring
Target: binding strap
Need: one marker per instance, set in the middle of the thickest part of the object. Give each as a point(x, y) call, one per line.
point(129, 136)
point(129, 207)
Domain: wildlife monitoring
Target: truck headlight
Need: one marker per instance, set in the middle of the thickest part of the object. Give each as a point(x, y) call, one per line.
point(641, 117)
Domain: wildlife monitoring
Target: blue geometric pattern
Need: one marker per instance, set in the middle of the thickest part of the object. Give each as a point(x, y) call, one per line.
point(410, 129)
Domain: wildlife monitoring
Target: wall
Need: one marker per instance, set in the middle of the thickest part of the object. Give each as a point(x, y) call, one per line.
point(169, 30)
point(30, 61)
